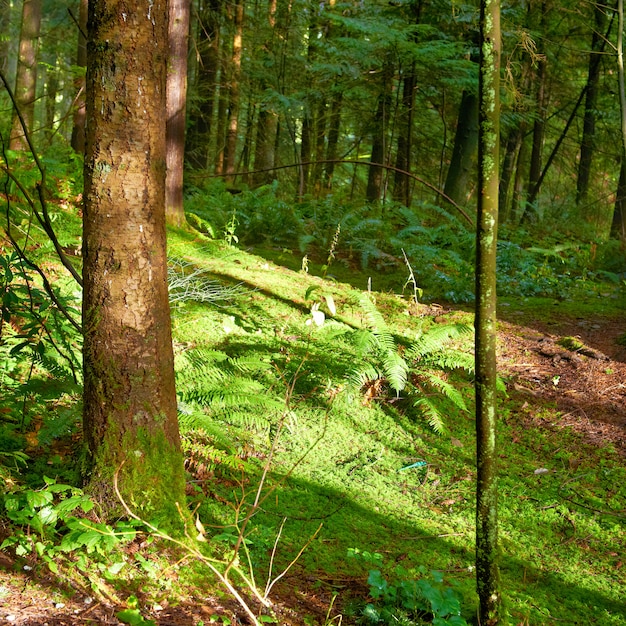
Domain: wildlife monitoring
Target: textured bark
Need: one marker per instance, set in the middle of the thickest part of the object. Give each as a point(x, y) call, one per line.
point(78, 129)
point(130, 417)
point(178, 32)
point(464, 151)
point(487, 572)
point(26, 79)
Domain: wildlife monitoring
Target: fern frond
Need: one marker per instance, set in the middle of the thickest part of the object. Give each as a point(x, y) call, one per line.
point(444, 388)
point(364, 342)
point(449, 360)
point(431, 412)
point(436, 338)
point(358, 378)
point(396, 370)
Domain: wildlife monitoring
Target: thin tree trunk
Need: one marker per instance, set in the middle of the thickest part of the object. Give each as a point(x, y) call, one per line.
point(402, 184)
point(539, 126)
point(507, 177)
point(234, 78)
point(618, 215)
point(334, 126)
point(487, 571)
point(26, 79)
point(197, 146)
point(618, 225)
point(464, 150)
point(589, 121)
point(78, 128)
point(178, 33)
point(379, 136)
point(130, 414)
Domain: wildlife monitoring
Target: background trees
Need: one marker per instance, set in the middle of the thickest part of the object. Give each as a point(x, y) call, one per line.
point(298, 84)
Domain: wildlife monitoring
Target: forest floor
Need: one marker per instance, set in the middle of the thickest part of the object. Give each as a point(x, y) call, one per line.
point(585, 381)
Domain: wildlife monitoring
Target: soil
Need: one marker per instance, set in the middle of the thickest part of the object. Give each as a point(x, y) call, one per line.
point(543, 365)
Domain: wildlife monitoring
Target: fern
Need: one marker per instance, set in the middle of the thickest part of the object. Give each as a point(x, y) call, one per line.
point(381, 344)
point(226, 388)
point(419, 371)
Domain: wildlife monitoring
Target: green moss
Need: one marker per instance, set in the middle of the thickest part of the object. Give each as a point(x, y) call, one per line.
point(149, 474)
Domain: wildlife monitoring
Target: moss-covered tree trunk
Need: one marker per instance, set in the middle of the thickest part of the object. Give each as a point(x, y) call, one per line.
point(487, 574)
point(130, 417)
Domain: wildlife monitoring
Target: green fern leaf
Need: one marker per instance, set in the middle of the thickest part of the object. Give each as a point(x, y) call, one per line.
point(431, 412)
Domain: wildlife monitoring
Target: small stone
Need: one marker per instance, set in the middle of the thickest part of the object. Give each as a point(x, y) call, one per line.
point(10, 618)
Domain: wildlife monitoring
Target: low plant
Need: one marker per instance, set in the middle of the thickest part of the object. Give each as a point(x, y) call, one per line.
point(401, 597)
point(420, 369)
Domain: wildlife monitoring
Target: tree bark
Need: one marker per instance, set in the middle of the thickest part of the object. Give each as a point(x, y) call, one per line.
point(234, 79)
point(26, 79)
point(379, 136)
point(402, 183)
point(178, 33)
point(487, 571)
point(334, 126)
point(591, 98)
point(464, 150)
point(130, 414)
point(198, 142)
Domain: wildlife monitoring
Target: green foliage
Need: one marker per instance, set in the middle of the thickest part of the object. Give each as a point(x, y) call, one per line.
point(400, 598)
point(419, 368)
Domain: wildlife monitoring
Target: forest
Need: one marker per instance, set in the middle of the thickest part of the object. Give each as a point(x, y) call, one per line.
point(312, 313)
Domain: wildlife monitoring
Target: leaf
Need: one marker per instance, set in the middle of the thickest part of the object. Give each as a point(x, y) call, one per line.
point(134, 618)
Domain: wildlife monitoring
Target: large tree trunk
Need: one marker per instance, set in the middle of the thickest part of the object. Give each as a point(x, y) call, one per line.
point(130, 416)
point(178, 32)
point(26, 80)
point(487, 572)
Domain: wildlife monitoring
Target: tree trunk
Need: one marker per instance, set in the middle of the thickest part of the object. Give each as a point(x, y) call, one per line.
point(507, 177)
point(465, 143)
point(334, 126)
point(618, 225)
point(379, 136)
point(130, 415)
point(78, 128)
point(26, 79)
point(402, 186)
point(198, 142)
point(487, 572)
point(234, 78)
point(178, 33)
point(539, 127)
point(591, 99)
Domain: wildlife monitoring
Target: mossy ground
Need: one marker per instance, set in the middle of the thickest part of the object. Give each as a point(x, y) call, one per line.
point(345, 464)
